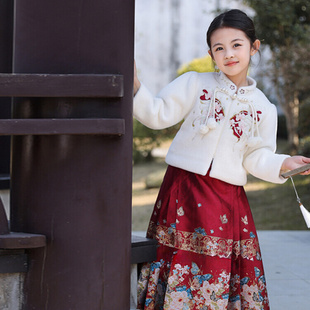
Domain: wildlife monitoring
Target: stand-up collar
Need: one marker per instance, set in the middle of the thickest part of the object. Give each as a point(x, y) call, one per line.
point(231, 88)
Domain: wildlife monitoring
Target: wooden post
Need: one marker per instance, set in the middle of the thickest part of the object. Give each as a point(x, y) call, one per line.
point(6, 50)
point(74, 188)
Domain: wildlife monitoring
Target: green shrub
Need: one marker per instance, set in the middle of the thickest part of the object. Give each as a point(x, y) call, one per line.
point(203, 64)
point(146, 139)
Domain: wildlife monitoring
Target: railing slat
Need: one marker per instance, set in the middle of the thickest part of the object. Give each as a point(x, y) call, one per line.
point(18, 240)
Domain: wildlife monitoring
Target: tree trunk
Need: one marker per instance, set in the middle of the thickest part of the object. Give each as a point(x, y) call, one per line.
point(289, 102)
point(291, 111)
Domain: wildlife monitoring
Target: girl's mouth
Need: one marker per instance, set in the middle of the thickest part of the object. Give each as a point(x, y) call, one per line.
point(231, 63)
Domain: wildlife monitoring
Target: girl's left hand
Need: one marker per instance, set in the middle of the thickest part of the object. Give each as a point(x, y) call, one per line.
point(136, 84)
point(295, 162)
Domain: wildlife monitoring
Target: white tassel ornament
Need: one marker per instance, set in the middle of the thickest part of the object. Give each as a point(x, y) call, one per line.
point(212, 123)
point(204, 129)
point(306, 215)
point(304, 211)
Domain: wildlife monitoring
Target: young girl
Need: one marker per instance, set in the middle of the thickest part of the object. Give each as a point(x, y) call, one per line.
point(208, 254)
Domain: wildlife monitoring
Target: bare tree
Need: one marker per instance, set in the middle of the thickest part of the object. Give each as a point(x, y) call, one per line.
point(285, 27)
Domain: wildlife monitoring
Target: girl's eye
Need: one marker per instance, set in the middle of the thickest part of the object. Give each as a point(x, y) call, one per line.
point(218, 49)
point(237, 44)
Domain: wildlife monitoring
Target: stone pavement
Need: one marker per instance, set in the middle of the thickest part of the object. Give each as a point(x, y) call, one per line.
point(286, 258)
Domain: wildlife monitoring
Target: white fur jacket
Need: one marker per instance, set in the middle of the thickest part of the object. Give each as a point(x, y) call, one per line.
point(232, 131)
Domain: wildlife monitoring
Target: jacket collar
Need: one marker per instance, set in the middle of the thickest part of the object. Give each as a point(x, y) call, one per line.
point(231, 88)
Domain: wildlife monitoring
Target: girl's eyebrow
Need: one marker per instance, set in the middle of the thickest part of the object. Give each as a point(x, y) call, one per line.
point(234, 40)
point(217, 44)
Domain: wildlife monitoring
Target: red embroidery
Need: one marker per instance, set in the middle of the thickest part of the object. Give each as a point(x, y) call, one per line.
point(218, 109)
point(240, 122)
point(203, 97)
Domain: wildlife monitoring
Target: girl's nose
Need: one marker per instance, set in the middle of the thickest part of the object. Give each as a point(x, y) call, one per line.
point(229, 55)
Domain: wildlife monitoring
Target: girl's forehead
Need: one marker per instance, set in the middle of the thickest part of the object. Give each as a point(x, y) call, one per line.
point(226, 34)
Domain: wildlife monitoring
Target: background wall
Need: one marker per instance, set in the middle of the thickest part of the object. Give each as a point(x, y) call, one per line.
point(170, 33)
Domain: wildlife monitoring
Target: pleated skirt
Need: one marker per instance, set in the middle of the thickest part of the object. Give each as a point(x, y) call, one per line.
point(208, 255)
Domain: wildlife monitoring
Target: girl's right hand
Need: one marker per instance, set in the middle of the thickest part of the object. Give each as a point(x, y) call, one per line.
point(295, 162)
point(136, 82)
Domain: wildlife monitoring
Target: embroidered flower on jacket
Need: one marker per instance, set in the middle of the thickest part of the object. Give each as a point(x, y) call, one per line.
point(205, 95)
point(219, 111)
point(242, 122)
point(216, 113)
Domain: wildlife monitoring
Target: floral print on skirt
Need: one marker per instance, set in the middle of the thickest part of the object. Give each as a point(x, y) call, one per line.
point(208, 255)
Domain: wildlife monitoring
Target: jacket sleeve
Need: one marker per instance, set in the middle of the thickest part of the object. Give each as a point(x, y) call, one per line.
point(262, 161)
point(170, 106)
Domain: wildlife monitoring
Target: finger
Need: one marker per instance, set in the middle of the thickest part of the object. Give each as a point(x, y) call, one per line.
point(305, 173)
point(305, 159)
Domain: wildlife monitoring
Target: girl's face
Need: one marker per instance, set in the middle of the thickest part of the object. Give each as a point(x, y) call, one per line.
point(231, 50)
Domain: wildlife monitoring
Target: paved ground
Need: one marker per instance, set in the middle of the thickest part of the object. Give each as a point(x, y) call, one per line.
point(286, 257)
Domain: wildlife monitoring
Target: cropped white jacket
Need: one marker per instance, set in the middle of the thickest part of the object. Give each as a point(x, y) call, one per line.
point(232, 131)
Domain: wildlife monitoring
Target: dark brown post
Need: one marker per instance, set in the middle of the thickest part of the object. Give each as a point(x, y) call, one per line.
point(6, 48)
point(75, 188)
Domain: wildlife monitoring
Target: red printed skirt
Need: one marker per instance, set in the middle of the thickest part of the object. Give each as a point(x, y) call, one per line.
point(208, 255)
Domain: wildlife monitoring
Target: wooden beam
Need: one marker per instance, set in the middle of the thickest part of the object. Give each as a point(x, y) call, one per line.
point(74, 126)
point(61, 85)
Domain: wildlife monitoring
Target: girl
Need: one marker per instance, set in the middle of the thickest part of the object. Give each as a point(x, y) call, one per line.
point(208, 254)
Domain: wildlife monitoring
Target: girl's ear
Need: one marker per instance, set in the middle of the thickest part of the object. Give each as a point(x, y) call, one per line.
point(255, 47)
point(210, 53)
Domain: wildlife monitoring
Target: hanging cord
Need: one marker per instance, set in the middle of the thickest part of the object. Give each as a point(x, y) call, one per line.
point(304, 211)
point(209, 121)
point(254, 140)
point(298, 199)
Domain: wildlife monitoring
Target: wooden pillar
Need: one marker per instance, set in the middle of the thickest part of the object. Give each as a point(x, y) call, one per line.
point(6, 49)
point(75, 188)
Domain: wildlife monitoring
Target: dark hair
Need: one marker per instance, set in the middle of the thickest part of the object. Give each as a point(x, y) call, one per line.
point(233, 19)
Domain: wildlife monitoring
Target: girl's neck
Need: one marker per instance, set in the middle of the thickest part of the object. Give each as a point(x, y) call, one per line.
point(239, 82)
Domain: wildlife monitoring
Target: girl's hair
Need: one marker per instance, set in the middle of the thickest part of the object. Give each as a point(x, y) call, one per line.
point(233, 19)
